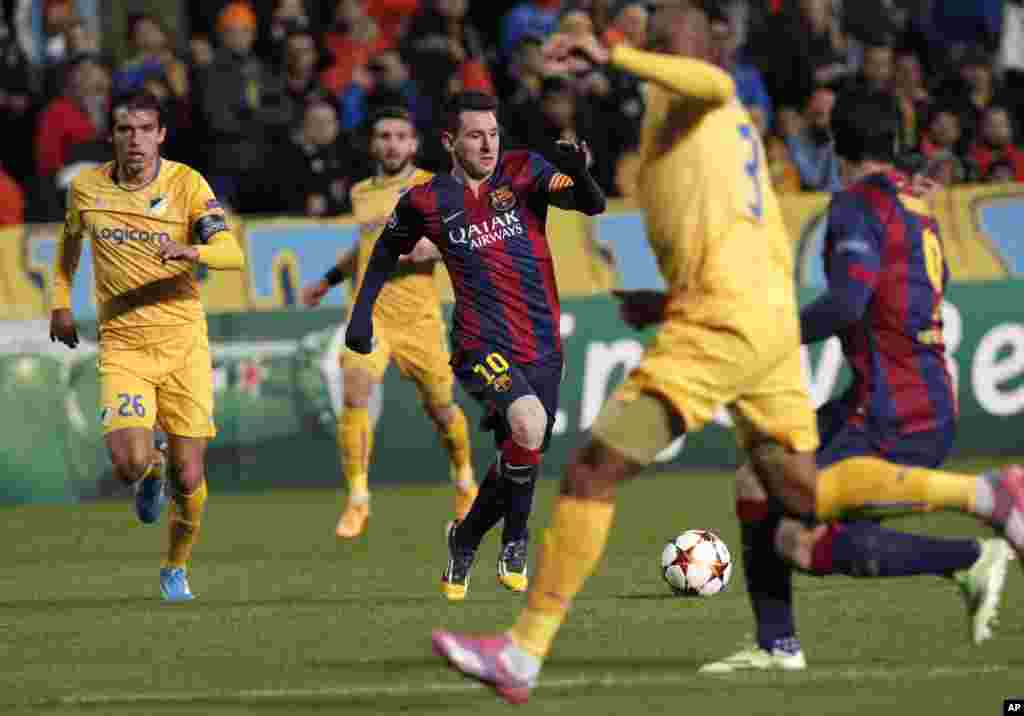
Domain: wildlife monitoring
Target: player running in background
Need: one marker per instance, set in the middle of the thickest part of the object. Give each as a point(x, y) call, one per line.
point(886, 278)
point(151, 222)
point(487, 218)
point(730, 333)
point(409, 326)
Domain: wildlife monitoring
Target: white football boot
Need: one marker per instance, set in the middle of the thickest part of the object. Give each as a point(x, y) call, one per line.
point(981, 586)
point(786, 655)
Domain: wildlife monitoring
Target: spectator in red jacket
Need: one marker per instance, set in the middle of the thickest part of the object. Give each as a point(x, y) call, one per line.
point(996, 145)
point(76, 117)
point(12, 201)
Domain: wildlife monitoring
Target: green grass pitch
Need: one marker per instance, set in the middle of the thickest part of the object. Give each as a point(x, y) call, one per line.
point(289, 621)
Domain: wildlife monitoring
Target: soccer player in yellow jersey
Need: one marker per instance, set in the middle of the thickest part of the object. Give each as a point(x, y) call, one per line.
point(410, 329)
point(151, 222)
point(729, 334)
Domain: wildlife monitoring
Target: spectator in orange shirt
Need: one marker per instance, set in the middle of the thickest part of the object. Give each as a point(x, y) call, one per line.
point(354, 37)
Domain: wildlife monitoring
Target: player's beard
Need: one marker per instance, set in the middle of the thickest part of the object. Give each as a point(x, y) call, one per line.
point(134, 168)
point(474, 171)
point(394, 167)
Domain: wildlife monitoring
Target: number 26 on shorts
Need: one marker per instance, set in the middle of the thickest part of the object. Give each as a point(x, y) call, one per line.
point(130, 405)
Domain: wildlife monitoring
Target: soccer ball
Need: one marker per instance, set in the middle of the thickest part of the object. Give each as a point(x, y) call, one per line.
point(696, 564)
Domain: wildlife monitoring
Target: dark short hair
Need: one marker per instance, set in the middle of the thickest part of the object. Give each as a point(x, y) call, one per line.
point(389, 112)
point(866, 126)
point(714, 9)
point(139, 100)
point(467, 102)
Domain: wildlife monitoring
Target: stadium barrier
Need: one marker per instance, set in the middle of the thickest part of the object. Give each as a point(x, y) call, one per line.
point(277, 390)
point(979, 227)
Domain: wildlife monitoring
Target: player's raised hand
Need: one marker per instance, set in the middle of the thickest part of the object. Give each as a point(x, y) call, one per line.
point(590, 47)
point(573, 157)
point(171, 250)
point(640, 309)
point(63, 327)
point(562, 56)
point(314, 293)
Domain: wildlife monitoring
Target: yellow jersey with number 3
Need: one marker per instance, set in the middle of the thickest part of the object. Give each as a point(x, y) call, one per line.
point(411, 292)
point(713, 221)
point(134, 287)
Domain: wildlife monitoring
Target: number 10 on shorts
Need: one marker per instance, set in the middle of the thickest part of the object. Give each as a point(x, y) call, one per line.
point(493, 370)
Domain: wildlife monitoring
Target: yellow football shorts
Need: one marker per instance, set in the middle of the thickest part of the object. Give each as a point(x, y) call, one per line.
point(419, 349)
point(697, 367)
point(157, 376)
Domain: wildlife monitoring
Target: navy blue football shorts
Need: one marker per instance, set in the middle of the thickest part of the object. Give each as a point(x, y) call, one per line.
point(496, 382)
point(841, 440)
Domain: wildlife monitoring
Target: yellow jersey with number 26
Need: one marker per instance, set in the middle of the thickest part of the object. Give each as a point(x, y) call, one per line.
point(134, 287)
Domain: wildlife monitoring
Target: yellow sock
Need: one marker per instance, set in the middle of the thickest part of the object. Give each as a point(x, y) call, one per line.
point(572, 546)
point(355, 441)
point(456, 442)
point(868, 484)
point(183, 525)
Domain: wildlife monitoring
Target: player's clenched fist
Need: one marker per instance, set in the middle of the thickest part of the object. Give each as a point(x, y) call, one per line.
point(640, 309)
point(63, 328)
point(573, 158)
point(170, 250)
point(359, 335)
point(314, 293)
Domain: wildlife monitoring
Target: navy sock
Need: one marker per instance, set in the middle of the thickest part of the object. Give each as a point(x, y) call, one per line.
point(518, 504)
point(865, 549)
point(487, 509)
point(518, 467)
point(769, 578)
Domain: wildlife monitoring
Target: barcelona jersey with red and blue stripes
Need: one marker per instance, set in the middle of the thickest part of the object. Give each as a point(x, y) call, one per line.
point(884, 239)
point(495, 247)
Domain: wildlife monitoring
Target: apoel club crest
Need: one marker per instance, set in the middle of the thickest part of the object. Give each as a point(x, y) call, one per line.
point(502, 199)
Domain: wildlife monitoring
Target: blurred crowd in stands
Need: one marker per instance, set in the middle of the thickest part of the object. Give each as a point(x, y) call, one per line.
point(270, 99)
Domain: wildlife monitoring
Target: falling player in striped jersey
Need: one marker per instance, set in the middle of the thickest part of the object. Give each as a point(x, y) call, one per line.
point(882, 439)
point(487, 218)
point(410, 329)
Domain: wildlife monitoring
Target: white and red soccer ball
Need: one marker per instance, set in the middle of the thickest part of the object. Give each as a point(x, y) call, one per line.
point(696, 564)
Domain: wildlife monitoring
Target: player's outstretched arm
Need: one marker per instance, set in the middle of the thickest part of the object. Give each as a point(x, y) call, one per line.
point(403, 230)
point(346, 266)
point(581, 191)
point(689, 77)
point(359, 334)
point(685, 76)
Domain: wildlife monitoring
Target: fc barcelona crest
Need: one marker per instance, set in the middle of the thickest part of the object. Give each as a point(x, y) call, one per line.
point(502, 199)
point(502, 383)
